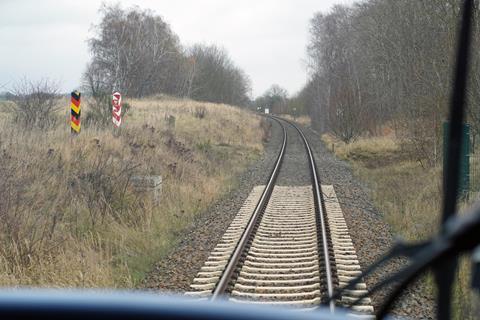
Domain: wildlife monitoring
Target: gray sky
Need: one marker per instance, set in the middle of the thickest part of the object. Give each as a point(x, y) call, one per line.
point(266, 38)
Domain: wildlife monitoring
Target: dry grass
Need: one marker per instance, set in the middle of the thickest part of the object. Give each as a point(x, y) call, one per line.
point(364, 149)
point(303, 120)
point(408, 195)
point(69, 216)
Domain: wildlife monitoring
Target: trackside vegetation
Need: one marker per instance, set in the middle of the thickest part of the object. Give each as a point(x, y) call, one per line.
point(70, 216)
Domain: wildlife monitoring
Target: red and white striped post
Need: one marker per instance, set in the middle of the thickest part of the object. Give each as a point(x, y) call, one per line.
point(117, 109)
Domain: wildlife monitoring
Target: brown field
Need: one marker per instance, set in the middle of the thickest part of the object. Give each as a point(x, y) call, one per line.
point(69, 214)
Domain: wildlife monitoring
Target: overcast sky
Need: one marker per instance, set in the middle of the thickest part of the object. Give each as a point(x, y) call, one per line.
point(266, 38)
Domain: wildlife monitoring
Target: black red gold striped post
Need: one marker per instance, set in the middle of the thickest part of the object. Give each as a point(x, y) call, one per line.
point(75, 112)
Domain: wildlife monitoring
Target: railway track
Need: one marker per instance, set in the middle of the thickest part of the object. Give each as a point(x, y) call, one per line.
point(288, 246)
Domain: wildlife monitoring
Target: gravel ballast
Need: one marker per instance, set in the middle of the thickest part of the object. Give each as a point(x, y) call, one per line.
point(370, 234)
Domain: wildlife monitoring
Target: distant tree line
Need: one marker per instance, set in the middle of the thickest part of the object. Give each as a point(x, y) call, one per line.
point(275, 99)
point(387, 62)
point(136, 52)
point(214, 77)
point(278, 101)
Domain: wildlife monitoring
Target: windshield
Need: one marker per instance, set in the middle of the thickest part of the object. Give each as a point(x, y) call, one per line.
point(263, 151)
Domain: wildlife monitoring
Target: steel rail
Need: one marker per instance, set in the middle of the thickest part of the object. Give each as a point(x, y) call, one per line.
point(321, 214)
point(227, 274)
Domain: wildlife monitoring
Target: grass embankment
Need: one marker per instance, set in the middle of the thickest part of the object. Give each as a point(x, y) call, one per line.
point(69, 215)
point(408, 195)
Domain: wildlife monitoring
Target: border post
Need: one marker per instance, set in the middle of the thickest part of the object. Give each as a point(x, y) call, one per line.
point(117, 109)
point(75, 113)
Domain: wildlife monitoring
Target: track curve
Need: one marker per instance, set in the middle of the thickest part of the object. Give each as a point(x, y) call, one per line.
point(278, 250)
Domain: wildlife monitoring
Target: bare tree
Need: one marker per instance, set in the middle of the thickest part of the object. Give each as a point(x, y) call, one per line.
point(332, 54)
point(135, 52)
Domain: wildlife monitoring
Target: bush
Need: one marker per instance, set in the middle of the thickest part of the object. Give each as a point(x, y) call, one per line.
point(100, 110)
point(35, 104)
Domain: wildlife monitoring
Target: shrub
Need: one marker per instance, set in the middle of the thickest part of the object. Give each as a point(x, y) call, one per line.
point(100, 110)
point(35, 103)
